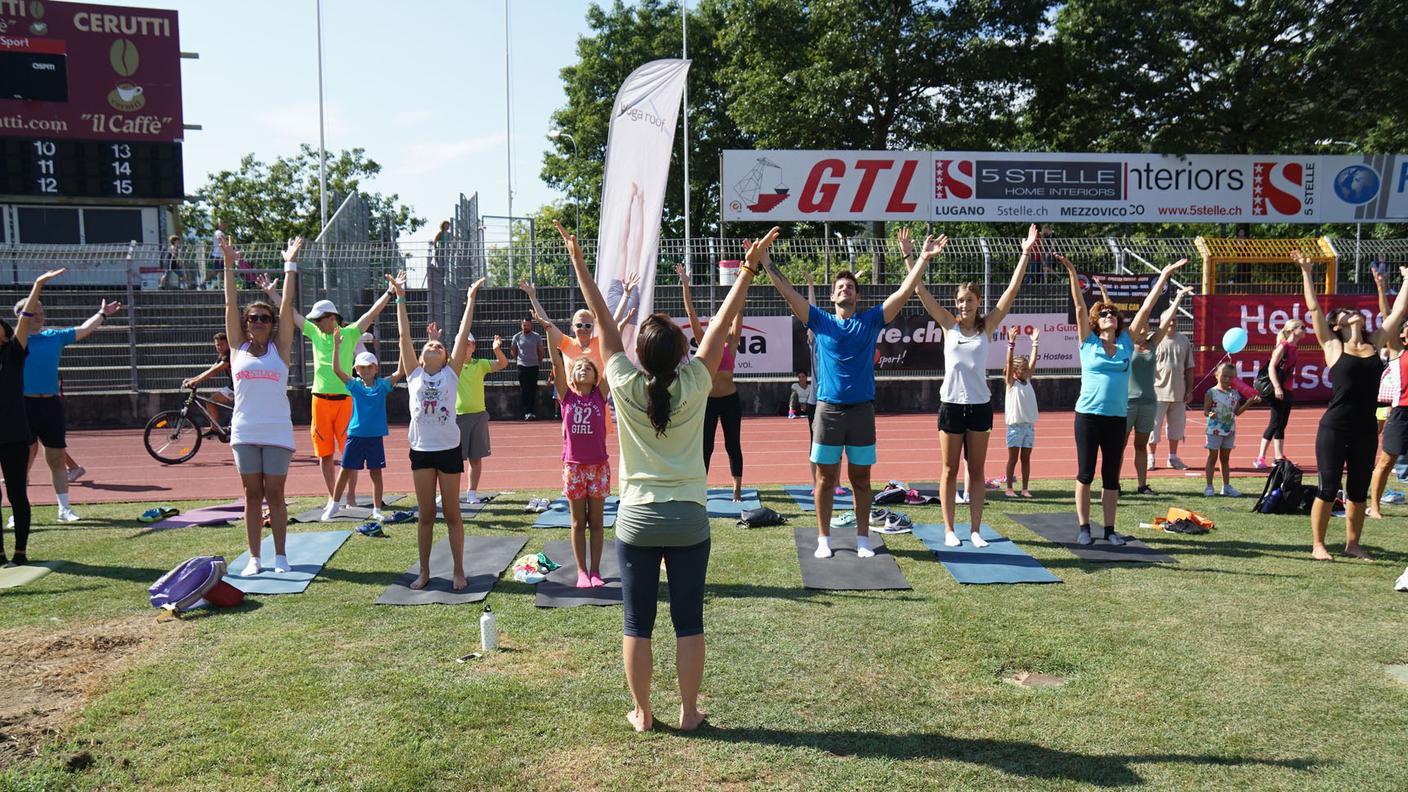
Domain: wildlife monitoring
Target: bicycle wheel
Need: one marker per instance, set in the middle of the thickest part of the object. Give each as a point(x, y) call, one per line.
point(171, 437)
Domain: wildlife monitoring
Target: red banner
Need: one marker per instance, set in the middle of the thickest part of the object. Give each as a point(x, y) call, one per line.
point(1262, 316)
point(89, 72)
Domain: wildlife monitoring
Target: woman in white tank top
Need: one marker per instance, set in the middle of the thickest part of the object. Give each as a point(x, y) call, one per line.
point(965, 411)
point(436, 460)
point(261, 429)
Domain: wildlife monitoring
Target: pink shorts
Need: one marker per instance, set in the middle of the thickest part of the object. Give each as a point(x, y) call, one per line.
point(586, 481)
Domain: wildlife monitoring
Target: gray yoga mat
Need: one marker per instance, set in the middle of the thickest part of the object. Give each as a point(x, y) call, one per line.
point(485, 559)
point(1061, 527)
point(560, 589)
point(1001, 561)
point(802, 496)
point(722, 504)
point(844, 570)
point(559, 515)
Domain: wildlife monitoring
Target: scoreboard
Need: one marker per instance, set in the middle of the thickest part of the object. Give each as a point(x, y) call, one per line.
point(55, 168)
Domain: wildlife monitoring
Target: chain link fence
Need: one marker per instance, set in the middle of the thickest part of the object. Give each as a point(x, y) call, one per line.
point(173, 304)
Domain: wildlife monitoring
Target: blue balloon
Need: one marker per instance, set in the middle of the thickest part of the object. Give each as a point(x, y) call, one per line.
point(1234, 340)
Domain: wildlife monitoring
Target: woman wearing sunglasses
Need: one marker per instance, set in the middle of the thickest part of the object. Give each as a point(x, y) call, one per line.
point(583, 341)
point(261, 430)
point(1106, 351)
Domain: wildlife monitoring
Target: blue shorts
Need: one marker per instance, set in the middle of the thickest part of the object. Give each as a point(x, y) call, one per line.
point(364, 453)
point(844, 428)
point(1021, 435)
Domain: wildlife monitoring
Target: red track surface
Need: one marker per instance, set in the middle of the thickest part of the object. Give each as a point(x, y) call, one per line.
point(527, 456)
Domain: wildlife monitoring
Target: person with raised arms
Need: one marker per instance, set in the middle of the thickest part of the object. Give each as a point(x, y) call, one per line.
point(261, 428)
point(1143, 391)
point(724, 404)
point(663, 514)
point(436, 461)
point(845, 377)
point(1347, 439)
point(1102, 409)
point(965, 409)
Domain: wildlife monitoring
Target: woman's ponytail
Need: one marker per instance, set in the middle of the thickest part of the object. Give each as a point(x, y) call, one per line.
point(659, 345)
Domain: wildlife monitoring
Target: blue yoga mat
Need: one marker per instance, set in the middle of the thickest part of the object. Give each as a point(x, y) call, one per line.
point(802, 494)
point(559, 514)
point(722, 504)
point(1002, 561)
point(307, 553)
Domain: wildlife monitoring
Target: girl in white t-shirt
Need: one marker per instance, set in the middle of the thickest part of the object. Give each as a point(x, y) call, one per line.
point(261, 429)
point(1020, 413)
point(436, 461)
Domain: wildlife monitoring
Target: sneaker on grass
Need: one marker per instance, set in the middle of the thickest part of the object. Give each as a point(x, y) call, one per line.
point(1229, 491)
point(1176, 463)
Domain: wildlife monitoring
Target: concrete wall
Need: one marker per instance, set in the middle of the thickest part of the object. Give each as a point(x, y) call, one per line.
point(760, 397)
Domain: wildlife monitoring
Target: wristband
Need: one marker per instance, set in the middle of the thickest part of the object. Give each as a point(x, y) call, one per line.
point(400, 300)
point(290, 266)
point(27, 313)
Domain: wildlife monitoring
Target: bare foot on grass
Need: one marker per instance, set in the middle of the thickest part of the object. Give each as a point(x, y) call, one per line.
point(1321, 553)
point(689, 721)
point(640, 721)
point(1355, 551)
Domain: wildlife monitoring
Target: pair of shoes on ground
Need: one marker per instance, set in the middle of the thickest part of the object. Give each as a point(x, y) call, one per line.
point(538, 505)
point(884, 521)
point(1227, 491)
point(371, 528)
point(158, 513)
point(254, 566)
point(1393, 496)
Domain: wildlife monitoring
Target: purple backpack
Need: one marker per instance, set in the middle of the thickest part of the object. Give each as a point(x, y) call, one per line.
point(183, 587)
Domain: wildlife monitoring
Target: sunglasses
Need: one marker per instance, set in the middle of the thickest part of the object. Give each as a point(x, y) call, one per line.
point(1108, 312)
point(583, 325)
point(259, 318)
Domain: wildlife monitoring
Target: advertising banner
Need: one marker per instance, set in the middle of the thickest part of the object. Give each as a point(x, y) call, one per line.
point(1262, 316)
point(89, 72)
point(765, 346)
point(633, 184)
point(773, 185)
point(1126, 291)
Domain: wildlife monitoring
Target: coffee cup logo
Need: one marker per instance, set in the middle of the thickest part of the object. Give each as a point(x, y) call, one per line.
point(38, 27)
point(126, 96)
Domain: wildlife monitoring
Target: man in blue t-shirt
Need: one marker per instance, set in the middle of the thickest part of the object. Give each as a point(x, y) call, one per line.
point(845, 381)
point(44, 405)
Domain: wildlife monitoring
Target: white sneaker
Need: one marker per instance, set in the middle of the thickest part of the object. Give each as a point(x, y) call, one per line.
point(1402, 583)
point(1149, 462)
point(1176, 463)
point(1209, 492)
point(377, 516)
point(960, 497)
point(1229, 491)
point(10, 523)
point(75, 474)
point(281, 564)
point(252, 568)
point(67, 516)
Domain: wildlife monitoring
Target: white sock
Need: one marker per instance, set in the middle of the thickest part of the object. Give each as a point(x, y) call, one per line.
point(331, 504)
point(951, 539)
point(823, 547)
point(472, 495)
point(63, 501)
point(281, 563)
point(863, 547)
point(252, 568)
point(977, 539)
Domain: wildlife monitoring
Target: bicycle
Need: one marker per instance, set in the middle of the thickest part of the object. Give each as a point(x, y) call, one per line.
point(174, 436)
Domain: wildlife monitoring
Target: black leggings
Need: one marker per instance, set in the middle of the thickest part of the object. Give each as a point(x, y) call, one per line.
point(640, 586)
point(1280, 416)
point(1106, 435)
point(14, 463)
point(729, 410)
point(1348, 451)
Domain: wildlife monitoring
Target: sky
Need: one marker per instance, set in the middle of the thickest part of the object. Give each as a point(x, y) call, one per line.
point(419, 84)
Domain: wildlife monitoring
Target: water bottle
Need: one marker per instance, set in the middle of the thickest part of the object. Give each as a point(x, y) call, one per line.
point(488, 630)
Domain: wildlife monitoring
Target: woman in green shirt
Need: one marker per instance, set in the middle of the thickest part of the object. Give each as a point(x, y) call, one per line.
point(662, 512)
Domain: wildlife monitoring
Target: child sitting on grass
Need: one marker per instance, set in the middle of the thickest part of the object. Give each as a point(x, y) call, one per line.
point(586, 468)
point(1020, 413)
point(1222, 405)
point(365, 431)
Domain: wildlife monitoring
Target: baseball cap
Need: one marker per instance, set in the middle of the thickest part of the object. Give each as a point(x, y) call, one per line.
point(366, 359)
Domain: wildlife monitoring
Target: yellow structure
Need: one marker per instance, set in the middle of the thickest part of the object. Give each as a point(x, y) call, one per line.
point(1218, 250)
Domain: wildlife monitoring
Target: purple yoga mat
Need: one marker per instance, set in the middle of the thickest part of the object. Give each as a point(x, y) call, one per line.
point(204, 516)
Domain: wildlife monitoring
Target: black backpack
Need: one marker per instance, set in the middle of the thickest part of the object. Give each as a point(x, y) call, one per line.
point(1283, 492)
point(760, 517)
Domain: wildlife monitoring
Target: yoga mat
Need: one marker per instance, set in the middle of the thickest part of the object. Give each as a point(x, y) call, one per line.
point(27, 573)
point(307, 553)
point(358, 514)
point(559, 515)
point(204, 516)
point(844, 570)
point(1002, 561)
point(722, 504)
point(1061, 527)
point(485, 558)
point(802, 494)
point(560, 589)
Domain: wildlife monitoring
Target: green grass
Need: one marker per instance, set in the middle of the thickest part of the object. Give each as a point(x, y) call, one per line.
point(1244, 665)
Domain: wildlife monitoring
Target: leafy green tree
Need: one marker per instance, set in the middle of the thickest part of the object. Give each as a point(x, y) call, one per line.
point(271, 202)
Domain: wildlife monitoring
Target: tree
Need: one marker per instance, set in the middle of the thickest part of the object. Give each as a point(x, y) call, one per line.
point(271, 202)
